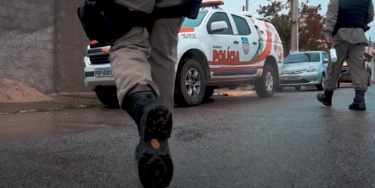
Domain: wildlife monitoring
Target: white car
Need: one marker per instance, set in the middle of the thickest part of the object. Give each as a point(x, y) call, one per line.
point(218, 49)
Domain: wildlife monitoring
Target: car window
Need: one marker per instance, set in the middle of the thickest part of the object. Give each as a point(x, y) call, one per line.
point(196, 22)
point(302, 58)
point(242, 26)
point(220, 16)
point(325, 56)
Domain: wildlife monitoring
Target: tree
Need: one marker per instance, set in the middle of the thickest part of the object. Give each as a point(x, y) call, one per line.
point(278, 13)
point(311, 27)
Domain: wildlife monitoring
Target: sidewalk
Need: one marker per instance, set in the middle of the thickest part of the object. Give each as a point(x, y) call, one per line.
point(59, 102)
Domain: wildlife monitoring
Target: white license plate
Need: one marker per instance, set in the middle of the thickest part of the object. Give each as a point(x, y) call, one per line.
point(103, 72)
point(292, 78)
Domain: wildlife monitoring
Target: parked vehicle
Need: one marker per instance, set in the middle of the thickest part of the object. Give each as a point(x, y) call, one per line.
point(345, 74)
point(218, 49)
point(304, 69)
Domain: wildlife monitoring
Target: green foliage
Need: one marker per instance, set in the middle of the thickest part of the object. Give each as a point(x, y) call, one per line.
point(278, 13)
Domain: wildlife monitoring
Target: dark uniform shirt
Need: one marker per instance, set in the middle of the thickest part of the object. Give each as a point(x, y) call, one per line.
point(349, 35)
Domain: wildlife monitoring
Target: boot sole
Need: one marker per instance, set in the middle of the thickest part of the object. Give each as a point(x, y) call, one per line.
point(155, 166)
point(357, 109)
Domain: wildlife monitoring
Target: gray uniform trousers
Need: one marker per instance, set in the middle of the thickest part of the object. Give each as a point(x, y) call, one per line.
point(143, 61)
point(353, 54)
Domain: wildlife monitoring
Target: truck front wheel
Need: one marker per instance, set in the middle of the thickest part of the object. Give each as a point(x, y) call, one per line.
point(265, 85)
point(190, 84)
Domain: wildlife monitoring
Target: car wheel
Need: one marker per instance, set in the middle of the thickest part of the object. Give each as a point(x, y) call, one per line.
point(265, 85)
point(190, 84)
point(321, 85)
point(109, 99)
point(297, 88)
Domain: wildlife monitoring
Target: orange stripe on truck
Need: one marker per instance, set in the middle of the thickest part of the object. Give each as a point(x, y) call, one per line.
point(267, 25)
point(186, 29)
point(266, 51)
point(94, 42)
point(262, 56)
point(235, 68)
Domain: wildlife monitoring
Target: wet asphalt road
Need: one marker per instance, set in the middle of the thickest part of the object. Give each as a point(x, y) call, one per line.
point(289, 140)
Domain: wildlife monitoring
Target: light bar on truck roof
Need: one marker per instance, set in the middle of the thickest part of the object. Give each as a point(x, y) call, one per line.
point(212, 3)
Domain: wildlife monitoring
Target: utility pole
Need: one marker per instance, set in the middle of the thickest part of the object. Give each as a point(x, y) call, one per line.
point(247, 5)
point(372, 60)
point(294, 26)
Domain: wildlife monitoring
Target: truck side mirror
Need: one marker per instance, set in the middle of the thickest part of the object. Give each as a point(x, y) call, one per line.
point(217, 27)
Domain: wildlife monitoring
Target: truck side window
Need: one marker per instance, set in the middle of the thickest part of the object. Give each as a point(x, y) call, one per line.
point(242, 26)
point(220, 16)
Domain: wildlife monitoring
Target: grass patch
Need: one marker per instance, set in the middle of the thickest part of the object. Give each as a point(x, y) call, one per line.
point(94, 105)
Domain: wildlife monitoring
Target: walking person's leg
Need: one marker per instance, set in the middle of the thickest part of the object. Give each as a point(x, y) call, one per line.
point(164, 40)
point(138, 95)
point(358, 75)
point(333, 74)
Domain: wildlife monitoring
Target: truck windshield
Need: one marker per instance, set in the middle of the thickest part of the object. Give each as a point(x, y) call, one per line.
point(302, 58)
point(195, 23)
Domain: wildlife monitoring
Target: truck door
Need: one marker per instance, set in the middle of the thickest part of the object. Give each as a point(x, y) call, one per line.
point(249, 39)
point(225, 46)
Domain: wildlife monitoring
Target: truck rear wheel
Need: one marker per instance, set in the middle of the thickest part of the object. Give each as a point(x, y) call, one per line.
point(265, 85)
point(190, 86)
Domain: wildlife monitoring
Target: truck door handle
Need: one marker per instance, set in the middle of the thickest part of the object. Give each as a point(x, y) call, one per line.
point(236, 42)
point(255, 43)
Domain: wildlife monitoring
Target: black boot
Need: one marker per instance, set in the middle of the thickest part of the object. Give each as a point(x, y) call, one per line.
point(155, 166)
point(325, 98)
point(358, 101)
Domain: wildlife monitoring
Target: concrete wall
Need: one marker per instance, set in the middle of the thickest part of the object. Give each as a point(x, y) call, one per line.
point(71, 45)
point(42, 44)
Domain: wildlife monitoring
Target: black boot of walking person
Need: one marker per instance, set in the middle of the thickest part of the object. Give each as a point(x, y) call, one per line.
point(155, 166)
point(358, 101)
point(325, 98)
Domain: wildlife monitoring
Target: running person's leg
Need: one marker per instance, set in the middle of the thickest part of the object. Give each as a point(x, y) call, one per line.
point(138, 95)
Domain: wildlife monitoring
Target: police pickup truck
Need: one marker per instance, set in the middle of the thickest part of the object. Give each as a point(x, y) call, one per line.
point(222, 49)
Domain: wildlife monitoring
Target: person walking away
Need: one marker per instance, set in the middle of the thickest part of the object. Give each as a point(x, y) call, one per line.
point(143, 58)
point(347, 22)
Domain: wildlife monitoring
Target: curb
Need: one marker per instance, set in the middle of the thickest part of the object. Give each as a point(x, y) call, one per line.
point(90, 95)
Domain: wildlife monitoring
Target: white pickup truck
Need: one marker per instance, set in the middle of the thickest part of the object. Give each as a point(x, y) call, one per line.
point(218, 49)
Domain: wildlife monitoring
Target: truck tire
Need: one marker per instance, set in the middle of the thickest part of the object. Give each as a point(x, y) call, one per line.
point(265, 85)
point(108, 99)
point(190, 86)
